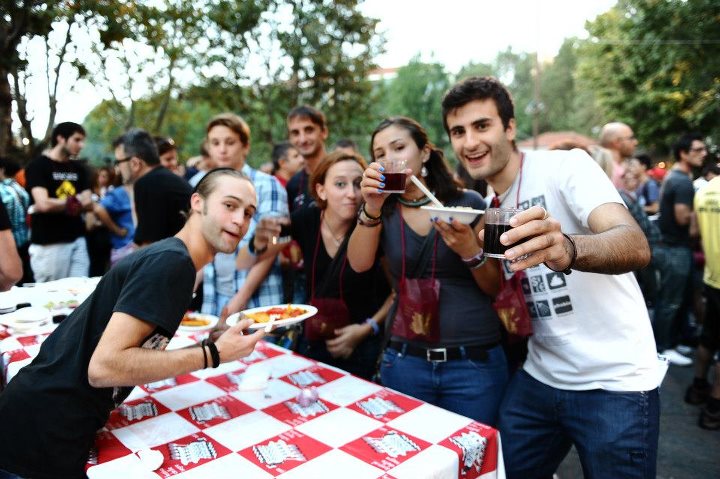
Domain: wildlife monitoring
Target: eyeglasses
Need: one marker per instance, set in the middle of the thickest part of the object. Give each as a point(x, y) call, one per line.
point(117, 162)
point(698, 149)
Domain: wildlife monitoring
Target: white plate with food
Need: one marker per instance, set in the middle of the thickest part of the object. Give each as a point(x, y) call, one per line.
point(26, 319)
point(197, 322)
point(282, 314)
point(464, 214)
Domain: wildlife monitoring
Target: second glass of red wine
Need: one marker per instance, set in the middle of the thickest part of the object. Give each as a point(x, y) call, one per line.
point(395, 176)
point(497, 221)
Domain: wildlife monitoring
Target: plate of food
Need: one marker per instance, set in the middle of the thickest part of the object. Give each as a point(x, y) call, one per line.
point(464, 214)
point(280, 315)
point(197, 322)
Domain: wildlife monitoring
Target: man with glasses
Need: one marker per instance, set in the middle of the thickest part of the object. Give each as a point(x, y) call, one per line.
point(675, 251)
point(161, 197)
point(620, 140)
point(60, 192)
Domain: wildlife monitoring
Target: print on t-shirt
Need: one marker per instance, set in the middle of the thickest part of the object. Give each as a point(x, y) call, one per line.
point(538, 200)
point(531, 309)
point(556, 280)
point(543, 309)
point(562, 305)
point(537, 283)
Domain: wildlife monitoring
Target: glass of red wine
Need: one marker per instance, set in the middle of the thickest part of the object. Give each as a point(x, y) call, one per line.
point(395, 176)
point(497, 221)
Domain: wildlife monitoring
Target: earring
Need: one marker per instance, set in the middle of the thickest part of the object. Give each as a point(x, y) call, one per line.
point(423, 171)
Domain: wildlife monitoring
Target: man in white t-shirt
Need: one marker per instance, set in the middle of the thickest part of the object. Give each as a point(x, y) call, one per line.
point(591, 374)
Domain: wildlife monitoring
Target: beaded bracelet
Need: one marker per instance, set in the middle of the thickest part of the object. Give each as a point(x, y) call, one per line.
point(373, 325)
point(474, 262)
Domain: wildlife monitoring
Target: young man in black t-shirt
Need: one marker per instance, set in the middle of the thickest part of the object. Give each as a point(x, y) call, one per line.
point(307, 132)
point(116, 339)
point(60, 192)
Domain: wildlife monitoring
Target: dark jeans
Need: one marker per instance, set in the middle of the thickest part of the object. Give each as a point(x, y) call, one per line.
point(675, 264)
point(615, 433)
point(469, 387)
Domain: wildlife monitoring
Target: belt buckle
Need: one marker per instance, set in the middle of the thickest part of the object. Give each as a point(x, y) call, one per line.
point(429, 352)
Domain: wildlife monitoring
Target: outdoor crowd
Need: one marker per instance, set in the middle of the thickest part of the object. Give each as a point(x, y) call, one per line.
point(604, 260)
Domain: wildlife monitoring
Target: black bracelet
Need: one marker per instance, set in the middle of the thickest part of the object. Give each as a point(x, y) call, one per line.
point(214, 353)
point(202, 345)
point(573, 257)
point(374, 218)
point(364, 219)
point(252, 250)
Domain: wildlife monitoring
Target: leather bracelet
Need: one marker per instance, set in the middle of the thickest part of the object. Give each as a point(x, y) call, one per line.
point(573, 257)
point(252, 250)
point(362, 207)
point(373, 325)
point(474, 262)
point(214, 353)
point(202, 346)
point(364, 219)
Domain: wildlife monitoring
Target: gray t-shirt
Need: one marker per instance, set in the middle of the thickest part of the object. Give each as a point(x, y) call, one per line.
point(466, 314)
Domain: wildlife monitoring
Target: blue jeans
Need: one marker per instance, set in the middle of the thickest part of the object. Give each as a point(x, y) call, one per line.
point(675, 265)
point(615, 433)
point(468, 387)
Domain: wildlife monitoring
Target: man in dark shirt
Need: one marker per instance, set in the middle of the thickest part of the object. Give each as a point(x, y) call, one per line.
point(161, 197)
point(307, 132)
point(60, 191)
point(675, 252)
point(116, 339)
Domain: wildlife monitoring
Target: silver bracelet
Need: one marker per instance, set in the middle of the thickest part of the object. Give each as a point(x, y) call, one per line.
point(474, 262)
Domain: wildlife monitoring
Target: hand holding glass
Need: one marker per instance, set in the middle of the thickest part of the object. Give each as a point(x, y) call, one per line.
point(497, 222)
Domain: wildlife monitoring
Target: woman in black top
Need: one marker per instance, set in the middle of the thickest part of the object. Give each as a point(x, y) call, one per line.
point(351, 305)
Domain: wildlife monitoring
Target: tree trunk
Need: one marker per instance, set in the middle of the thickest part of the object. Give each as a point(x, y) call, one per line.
point(166, 98)
point(25, 123)
point(5, 113)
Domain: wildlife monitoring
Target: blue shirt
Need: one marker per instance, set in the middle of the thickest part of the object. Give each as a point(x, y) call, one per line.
point(118, 205)
point(16, 201)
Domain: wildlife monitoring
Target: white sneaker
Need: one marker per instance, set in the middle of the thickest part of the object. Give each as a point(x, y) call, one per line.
point(684, 350)
point(676, 358)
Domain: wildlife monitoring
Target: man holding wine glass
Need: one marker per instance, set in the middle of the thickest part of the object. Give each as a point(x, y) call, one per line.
point(591, 375)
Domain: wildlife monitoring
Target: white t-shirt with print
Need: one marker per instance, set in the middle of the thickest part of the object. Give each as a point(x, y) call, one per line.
point(590, 330)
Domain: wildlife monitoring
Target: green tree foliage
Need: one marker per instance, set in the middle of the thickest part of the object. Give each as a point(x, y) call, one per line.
point(416, 92)
point(654, 64)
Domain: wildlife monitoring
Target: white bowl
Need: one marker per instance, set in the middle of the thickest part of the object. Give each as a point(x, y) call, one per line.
point(463, 214)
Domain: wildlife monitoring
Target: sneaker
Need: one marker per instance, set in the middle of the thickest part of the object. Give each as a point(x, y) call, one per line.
point(695, 395)
point(676, 358)
point(684, 350)
point(709, 420)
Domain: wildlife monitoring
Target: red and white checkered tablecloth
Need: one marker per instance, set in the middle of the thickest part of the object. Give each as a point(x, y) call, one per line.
point(220, 423)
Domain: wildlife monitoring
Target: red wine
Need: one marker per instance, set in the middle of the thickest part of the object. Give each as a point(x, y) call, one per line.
point(394, 182)
point(493, 246)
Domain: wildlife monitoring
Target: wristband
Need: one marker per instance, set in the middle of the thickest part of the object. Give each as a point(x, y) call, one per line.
point(474, 262)
point(252, 250)
point(366, 220)
point(214, 353)
point(573, 257)
point(374, 325)
point(202, 345)
point(374, 218)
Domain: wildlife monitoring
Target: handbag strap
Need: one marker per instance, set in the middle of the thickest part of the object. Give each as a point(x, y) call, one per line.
point(424, 256)
point(341, 253)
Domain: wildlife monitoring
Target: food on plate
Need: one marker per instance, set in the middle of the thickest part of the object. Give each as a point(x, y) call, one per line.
point(194, 321)
point(71, 303)
point(278, 313)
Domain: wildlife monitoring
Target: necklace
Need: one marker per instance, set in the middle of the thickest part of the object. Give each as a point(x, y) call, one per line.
point(414, 203)
point(336, 239)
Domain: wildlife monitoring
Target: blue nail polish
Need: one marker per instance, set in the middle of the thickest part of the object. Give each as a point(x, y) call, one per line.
point(382, 185)
point(382, 169)
point(451, 219)
point(380, 190)
point(382, 177)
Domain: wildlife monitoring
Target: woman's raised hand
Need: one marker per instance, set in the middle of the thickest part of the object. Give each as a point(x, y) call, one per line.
point(371, 187)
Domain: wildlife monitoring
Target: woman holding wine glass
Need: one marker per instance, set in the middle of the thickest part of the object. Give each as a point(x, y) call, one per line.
point(444, 345)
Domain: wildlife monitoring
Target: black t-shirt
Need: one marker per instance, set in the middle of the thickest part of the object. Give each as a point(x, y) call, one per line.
point(677, 189)
point(61, 180)
point(363, 293)
point(49, 413)
point(161, 200)
point(298, 191)
point(4, 218)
